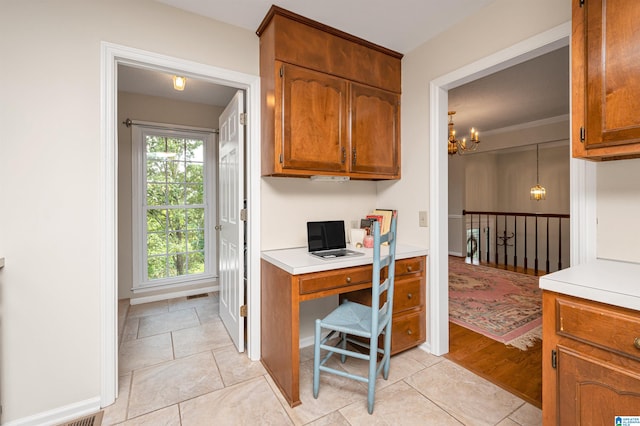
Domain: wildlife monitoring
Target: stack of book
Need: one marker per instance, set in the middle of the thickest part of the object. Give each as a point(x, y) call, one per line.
point(383, 216)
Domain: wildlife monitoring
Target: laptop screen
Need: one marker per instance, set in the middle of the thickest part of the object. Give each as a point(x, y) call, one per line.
point(327, 235)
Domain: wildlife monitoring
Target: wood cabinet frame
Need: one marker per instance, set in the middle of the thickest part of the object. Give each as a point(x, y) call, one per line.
point(362, 137)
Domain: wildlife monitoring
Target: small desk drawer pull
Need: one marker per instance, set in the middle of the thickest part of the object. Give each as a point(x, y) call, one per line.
point(409, 268)
point(636, 342)
point(409, 332)
point(409, 295)
point(348, 279)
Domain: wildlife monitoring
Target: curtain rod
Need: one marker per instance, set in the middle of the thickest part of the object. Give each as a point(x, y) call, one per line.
point(128, 122)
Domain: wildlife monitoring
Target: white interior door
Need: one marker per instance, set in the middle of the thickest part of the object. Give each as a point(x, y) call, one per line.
point(230, 226)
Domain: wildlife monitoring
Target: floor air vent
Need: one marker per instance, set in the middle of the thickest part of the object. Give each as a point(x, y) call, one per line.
point(196, 296)
point(92, 420)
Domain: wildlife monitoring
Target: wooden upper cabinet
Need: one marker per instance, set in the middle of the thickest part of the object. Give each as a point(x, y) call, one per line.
point(330, 101)
point(375, 131)
point(606, 79)
point(314, 110)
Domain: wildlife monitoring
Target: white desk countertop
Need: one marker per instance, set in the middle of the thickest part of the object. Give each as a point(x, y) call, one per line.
point(606, 281)
point(298, 261)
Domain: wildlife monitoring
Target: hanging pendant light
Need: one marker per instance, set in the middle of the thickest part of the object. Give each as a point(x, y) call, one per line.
point(179, 82)
point(538, 192)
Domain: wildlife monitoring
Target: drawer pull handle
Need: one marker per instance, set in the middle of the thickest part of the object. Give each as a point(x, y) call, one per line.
point(409, 332)
point(348, 279)
point(409, 295)
point(409, 268)
point(636, 342)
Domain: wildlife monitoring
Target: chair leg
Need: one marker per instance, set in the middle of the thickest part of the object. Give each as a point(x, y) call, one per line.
point(373, 364)
point(387, 351)
point(316, 360)
point(343, 345)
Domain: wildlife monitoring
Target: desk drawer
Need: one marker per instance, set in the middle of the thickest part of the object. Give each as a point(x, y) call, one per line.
point(407, 294)
point(321, 281)
point(409, 266)
point(408, 331)
point(611, 328)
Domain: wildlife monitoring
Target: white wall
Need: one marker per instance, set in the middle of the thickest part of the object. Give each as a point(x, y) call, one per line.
point(160, 110)
point(618, 210)
point(50, 176)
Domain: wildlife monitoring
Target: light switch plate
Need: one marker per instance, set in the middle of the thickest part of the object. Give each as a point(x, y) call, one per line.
point(423, 222)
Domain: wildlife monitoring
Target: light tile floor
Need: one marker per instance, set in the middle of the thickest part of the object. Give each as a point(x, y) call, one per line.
point(178, 366)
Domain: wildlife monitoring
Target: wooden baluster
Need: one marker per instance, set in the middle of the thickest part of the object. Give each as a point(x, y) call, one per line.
point(496, 241)
point(505, 242)
point(479, 242)
point(535, 269)
point(515, 243)
point(547, 263)
point(559, 243)
point(525, 243)
point(488, 241)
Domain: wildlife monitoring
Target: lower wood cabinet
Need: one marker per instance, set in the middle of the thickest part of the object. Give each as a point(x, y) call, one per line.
point(409, 312)
point(591, 361)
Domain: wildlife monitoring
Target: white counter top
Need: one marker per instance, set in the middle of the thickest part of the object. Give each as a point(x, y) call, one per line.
point(298, 261)
point(607, 281)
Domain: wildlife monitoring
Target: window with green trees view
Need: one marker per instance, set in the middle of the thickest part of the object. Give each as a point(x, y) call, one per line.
point(173, 206)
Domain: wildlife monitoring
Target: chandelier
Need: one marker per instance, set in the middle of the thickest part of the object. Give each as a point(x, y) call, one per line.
point(458, 147)
point(538, 192)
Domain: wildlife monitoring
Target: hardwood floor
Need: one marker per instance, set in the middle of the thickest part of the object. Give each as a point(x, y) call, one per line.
point(519, 372)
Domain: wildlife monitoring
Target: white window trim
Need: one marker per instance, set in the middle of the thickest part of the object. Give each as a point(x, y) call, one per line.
point(139, 130)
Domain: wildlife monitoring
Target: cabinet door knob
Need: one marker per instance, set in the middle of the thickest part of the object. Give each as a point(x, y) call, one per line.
point(636, 342)
point(409, 295)
point(348, 279)
point(409, 269)
point(409, 332)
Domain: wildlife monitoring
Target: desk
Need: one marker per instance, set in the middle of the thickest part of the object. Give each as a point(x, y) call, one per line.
point(292, 276)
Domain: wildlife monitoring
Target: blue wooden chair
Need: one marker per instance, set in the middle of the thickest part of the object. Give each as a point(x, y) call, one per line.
point(367, 322)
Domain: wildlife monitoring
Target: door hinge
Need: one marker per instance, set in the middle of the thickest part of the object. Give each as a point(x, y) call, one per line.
point(243, 311)
point(582, 134)
point(281, 71)
point(243, 215)
point(581, 3)
point(281, 159)
point(243, 119)
point(554, 358)
point(354, 156)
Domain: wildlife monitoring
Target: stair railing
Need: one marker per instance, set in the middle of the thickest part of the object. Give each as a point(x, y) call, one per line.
point(508, 236)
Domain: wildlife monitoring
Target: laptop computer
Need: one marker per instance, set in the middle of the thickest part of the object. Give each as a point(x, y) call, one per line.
point(326, 240)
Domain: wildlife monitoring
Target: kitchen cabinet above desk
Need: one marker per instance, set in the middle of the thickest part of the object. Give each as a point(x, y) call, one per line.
point(292, 276)
point(591, 343)
point(330, 101)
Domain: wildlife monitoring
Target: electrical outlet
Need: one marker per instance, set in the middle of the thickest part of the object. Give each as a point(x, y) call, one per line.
point(423, 222)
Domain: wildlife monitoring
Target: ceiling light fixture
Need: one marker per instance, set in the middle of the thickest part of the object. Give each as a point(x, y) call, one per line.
point(179, 82)
point(538, 192)
point(458, 147)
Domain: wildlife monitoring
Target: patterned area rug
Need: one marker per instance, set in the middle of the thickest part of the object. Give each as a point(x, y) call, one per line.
point(502, 305)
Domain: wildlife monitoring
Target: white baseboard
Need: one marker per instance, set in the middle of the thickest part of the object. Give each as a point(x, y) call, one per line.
point(173, 295)
point(456, 253)
point(60, 415)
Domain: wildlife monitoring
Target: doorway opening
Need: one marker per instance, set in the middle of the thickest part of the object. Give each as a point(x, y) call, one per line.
point(582, 177)
point(114, 56)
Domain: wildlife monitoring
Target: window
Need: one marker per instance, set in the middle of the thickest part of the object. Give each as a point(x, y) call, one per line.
point(173, 194)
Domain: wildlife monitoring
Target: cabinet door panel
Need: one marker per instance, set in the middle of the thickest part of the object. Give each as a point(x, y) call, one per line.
point(593, 392)
point(313, 122)
point(612, 74)
point(375, 131)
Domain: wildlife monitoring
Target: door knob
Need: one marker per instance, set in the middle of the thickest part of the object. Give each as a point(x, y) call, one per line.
point(218, 227)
